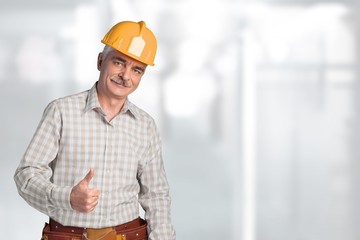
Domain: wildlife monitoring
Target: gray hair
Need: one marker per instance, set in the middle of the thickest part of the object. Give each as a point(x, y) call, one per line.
point(106, 50)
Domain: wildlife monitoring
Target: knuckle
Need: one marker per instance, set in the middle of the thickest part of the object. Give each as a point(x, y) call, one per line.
point(88, 208)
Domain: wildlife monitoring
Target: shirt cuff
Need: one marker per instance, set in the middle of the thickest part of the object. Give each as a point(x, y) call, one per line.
point(60, 197)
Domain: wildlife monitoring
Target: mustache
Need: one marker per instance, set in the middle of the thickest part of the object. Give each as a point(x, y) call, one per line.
point(121, 81)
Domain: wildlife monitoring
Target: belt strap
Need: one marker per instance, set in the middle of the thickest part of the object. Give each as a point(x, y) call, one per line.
point(133, 230)
point(57, 227)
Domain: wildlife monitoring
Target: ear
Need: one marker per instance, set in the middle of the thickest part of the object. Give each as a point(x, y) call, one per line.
point(99, 61)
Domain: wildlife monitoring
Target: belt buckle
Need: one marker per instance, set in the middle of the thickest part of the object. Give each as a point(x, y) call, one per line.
point(98, 234)
point(120, 236)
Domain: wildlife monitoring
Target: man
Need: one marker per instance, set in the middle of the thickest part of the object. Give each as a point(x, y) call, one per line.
point(95, 156)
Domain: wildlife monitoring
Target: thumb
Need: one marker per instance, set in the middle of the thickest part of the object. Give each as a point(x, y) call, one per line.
point(89, 176)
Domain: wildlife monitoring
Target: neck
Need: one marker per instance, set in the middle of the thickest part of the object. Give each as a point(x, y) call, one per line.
point(111, 106)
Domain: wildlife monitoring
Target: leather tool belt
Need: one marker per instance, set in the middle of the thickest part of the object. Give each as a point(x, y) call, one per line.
point(133, 230)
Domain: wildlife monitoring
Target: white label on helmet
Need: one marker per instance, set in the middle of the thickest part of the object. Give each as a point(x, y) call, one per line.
point(137, 46)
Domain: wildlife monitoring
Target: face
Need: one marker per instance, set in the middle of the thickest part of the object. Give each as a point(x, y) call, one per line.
point(120, 75)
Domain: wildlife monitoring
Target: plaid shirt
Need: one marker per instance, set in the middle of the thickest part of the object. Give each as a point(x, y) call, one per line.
point(74, 136)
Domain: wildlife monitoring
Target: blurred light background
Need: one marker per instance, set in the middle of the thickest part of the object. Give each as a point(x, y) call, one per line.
point(257, 102)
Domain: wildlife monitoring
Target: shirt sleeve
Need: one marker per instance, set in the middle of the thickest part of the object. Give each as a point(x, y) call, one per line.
point(154, 191)
point(34, 173)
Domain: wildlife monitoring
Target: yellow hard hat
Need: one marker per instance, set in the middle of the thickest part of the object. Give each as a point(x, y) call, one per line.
point(134, 40)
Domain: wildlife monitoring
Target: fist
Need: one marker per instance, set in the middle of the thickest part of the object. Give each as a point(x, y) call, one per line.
point(83, 198)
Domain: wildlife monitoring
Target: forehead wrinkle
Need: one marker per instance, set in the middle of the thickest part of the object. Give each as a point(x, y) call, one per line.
point(118, 58)
point(127, 60)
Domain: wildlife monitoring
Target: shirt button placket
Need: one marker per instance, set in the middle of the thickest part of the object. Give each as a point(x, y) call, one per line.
point(107, 171)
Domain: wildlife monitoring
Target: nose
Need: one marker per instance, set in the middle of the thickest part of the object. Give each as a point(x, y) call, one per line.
point(126, 74)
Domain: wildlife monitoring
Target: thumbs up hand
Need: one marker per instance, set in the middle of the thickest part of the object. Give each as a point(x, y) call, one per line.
point(83, 198)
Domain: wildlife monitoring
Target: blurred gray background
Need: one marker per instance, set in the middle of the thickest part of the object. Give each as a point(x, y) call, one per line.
point(257, 103)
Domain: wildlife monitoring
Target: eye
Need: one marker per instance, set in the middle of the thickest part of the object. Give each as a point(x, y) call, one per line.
point(137, 71)
point(119, 63)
